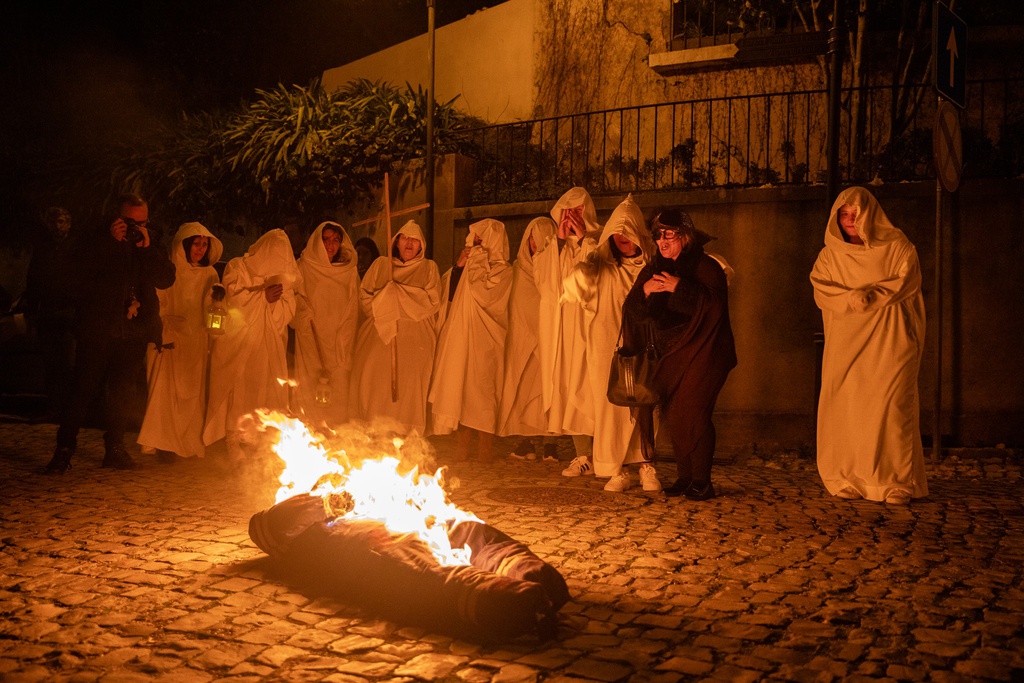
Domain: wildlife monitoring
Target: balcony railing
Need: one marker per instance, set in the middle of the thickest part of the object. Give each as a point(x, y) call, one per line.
point(743, 141)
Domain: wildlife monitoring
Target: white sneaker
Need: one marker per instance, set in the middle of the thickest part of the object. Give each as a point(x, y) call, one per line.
point(649, 478)
point(579, 465)
point(619, 483)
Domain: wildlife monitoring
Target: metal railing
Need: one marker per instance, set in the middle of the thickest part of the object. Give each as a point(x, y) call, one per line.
point(706, 23)
point(742, 141)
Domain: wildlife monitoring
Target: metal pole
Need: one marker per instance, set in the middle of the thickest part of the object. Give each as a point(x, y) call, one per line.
point(428, 229)
point(835, 80)
point(937, 409)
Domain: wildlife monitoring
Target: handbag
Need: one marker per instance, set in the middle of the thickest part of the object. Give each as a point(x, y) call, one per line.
point(631, 376)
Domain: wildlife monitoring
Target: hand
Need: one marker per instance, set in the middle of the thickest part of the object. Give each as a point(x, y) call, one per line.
point(860, 299)
point(662, 282)
point(463, 257)
point(273, 293)
point(571, 223)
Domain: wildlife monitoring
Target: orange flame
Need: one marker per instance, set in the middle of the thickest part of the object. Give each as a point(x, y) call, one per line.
point(367, 486)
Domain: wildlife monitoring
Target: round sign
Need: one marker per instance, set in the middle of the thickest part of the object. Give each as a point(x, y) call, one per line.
point(947, 148)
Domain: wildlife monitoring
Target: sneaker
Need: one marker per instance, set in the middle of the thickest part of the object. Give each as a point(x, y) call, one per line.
point(60, 462)
point(524, 451)
point(649, 478)
point(550, 452)
point(700, 490)
point(897, 497)
point(619, 483)
point(117, 457)
point(579, 465)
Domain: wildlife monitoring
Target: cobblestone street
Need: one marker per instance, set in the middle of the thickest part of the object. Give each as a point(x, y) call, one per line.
point(151, 575)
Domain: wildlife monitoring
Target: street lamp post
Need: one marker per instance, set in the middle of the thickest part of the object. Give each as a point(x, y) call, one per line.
point(429, 227)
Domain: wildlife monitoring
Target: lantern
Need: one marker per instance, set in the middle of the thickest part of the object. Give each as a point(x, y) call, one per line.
point(323, 389)
point(217, 314)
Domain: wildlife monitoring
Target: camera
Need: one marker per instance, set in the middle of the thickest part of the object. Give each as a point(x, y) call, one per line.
point(134, 234)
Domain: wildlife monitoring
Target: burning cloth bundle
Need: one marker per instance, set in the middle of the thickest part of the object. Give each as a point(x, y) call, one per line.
point(480, 585)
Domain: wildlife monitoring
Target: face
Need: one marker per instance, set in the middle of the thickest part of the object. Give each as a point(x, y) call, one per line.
point(61, 223)
point(671, 242)
point(533, 245)
point(848, 220)
point(477, 240)
point(625, 245)
point(408, 247)
point(139, 214)
point(332, 243)
point(365, 257)
point(198, 249)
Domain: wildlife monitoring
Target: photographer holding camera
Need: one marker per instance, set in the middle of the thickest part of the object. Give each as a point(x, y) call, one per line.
point(114, 278)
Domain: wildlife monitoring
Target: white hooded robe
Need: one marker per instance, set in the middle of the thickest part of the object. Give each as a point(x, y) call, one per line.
point(521, 409)
point(869, 434)
point(175, 410)
point(327, 297)
point(600, 285)
point(249, 358)
point(401, 309)
point(469, 366)
point(562, 348)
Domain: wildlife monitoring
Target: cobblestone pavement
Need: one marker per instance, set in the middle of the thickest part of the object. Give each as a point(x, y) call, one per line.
point(150, 575)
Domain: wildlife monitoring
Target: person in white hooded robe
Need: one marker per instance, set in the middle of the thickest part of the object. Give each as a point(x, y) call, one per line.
point(468, 366)
point(176, 407)
point(326, 299)
point(600, 285)
point(400, 296)
point(562, 350)
point(521, 409)
point(249, 367)
point(867, 283)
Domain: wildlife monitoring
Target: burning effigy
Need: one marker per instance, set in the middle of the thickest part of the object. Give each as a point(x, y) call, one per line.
point(356, 517)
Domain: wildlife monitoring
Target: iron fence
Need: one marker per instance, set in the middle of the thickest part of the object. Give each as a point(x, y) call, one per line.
point(742, 141)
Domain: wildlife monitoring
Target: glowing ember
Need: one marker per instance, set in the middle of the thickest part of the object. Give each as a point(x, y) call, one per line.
point(367, 486)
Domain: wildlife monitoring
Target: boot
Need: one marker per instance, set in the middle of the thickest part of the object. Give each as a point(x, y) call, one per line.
point(60, 462)
point(117, 458)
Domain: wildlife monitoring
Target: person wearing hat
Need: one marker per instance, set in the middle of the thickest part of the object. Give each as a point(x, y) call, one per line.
point(681, 297)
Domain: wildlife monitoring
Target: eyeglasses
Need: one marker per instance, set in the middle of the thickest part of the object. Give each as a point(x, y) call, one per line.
point(667, 234)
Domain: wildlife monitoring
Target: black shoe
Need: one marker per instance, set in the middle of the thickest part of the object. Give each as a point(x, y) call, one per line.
point(117, 457)
point(700, 490)
point(61, 461)
point(550, 452)
point(678, 488)
point(166, 457)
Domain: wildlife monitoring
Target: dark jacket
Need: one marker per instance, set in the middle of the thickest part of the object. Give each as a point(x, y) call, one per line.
point(109, 275)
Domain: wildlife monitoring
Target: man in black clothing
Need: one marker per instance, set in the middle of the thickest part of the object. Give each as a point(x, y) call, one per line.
point(115, 276)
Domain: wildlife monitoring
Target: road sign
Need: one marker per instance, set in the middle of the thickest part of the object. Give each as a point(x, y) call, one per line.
point(949, 49)
point(947, 148)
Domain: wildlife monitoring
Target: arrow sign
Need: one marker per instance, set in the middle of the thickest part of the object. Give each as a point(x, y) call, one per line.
point(949, 53)
point(951, 49)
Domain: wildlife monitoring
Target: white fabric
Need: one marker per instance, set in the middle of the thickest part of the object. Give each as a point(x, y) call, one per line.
point(175, 410)
point(468, 368)
point(561, 342)
point(249, 358)
point(403, 310)
point(600, 285)
point(869, 435)
point(327, 297)
point(521, 410)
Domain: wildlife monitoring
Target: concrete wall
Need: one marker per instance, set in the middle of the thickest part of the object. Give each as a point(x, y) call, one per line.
point(772, 236)
point(487, 59)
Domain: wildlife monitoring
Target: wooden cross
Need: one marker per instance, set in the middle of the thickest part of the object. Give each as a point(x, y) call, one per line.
point(387, 215)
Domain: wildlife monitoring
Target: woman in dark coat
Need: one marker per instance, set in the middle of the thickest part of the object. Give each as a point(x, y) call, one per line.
point(681, 299)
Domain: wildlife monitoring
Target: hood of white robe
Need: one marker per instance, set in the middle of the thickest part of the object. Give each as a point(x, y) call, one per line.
point(410, 229)
point(577, 196)
point(178, 255)
point(270, 260)
point(315, 254)
point(493, 238)
point(541, 228)
point(872, 225)
point(626, 220)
